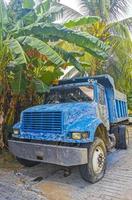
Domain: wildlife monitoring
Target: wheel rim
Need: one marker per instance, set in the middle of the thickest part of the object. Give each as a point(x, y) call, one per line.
point(98, 160)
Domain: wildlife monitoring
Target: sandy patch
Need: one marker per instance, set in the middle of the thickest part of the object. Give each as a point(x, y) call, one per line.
point(127, 195)
point(54, 191)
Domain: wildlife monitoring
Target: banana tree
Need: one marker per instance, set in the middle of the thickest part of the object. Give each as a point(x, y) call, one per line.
point(14, 81)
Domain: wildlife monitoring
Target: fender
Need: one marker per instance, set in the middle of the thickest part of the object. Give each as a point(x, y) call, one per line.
point(17, 125)
point(86, 124)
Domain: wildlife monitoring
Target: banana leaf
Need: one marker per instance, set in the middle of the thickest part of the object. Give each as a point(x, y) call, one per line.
point(19, 82)
point(82, 21)
point(18, 52)
point(70, 57)
point(81, 39)
point(42, 48)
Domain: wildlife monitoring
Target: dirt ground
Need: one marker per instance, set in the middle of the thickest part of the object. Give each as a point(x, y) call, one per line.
point(47, 182)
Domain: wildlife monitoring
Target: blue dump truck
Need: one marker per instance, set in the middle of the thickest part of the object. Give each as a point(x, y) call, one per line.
point(81, 120)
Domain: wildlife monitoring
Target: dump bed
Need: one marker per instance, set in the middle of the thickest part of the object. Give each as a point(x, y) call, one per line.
point(116, 101)
point(121, 106)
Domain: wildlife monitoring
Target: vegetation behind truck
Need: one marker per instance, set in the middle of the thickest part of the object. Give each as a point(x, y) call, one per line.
point(82, 119)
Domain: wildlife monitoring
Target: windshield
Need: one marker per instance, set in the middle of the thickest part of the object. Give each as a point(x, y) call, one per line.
point(70, 94)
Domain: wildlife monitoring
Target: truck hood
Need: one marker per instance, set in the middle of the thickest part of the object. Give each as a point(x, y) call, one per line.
point(72, 112)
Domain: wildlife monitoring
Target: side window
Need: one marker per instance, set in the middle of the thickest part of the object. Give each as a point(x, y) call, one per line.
point(101, 96)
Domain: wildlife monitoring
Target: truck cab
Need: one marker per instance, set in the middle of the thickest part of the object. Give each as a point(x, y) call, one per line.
point(78, 124)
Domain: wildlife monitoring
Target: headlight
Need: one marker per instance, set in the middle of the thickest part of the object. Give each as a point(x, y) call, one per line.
point(79, 136)
point(84, 135)
point(16, 131)
point(76, 136)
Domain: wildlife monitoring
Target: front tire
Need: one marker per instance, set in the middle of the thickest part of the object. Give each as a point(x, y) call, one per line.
point(26, 163)
point(94, 170)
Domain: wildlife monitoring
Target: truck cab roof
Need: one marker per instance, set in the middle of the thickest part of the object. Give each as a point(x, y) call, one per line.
point(102, 79)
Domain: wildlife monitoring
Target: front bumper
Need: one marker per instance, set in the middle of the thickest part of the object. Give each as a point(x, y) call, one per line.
point(60, 155)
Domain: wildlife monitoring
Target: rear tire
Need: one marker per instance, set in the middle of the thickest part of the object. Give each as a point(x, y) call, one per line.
point(26, 163)
point(122, 137)
point(95, 169)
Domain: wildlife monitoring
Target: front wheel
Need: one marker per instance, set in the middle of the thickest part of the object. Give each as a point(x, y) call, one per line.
point(26, 163)
point(94, 170)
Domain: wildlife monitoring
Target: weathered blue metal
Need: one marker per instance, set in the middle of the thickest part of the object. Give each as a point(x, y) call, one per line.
point(76, 117)
point(114, 98)
point(56, 122)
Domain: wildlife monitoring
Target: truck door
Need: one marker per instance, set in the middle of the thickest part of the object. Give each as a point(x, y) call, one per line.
point(102, 106)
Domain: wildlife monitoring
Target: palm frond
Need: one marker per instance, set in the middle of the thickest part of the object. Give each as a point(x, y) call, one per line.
point(120, 28)
point(127, 22)
point(80, 7)
point(118, 8)
point(64, 13)
point(68, 12)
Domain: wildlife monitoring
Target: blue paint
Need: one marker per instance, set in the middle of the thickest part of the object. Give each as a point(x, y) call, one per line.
point(74, 117)
point(56, 122)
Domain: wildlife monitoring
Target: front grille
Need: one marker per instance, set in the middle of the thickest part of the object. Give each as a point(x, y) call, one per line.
point(42, 122)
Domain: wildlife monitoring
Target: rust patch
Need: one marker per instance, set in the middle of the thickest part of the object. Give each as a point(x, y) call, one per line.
point(54, 191)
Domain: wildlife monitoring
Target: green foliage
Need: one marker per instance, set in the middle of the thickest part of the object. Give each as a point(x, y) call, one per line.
point(90, 43)
point(43, 48)
point(43, 8)
point(40, 86)
point(88, 20)
point(28, 4)
point(44, 76)
point(70, 57)
point(16, 11)
point(18, 81)
point(18, 52)
point(119, 63)
point(130, 101)
point(5, 56)
point(3, 20)
point(49, 74)
point(36, 36)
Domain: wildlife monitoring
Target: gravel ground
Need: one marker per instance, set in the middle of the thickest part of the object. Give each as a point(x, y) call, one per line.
point(47, 182)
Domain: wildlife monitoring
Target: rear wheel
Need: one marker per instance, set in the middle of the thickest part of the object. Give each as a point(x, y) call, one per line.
point(94, 170)
point(122, 137)
point(26, 163)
